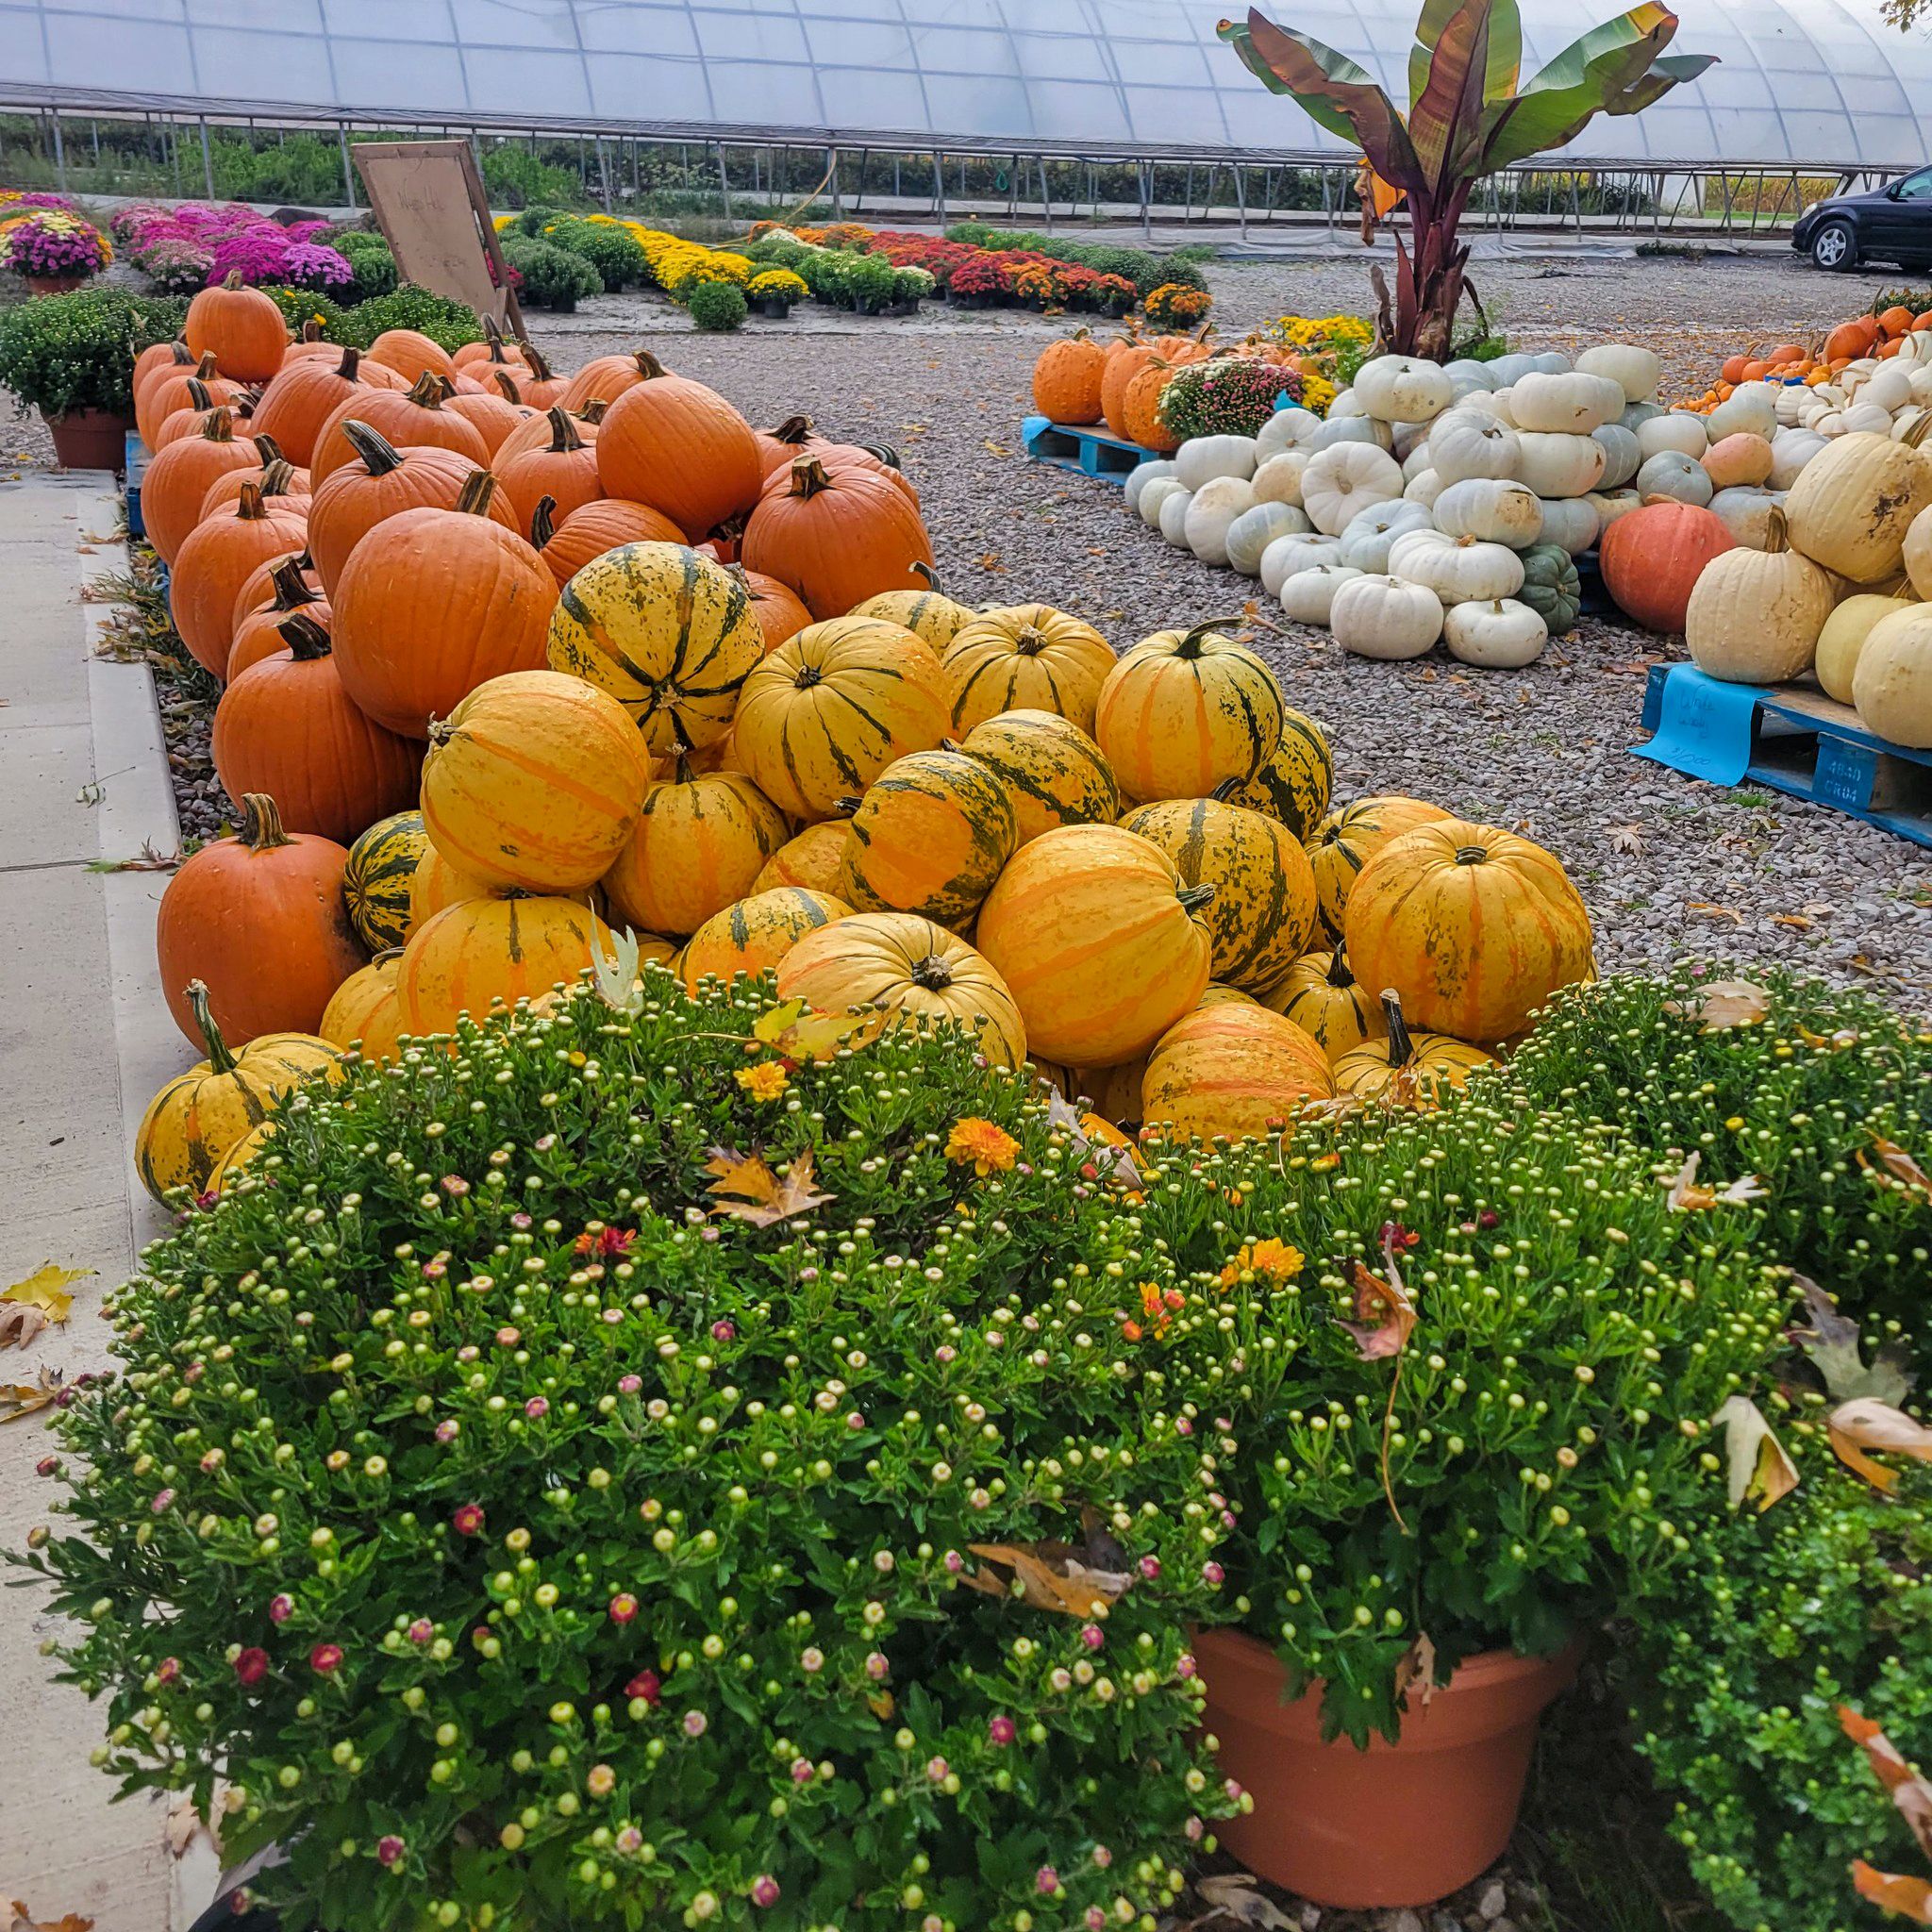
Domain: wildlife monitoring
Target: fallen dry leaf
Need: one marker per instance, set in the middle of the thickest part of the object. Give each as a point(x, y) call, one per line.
point(798, 1033)
point(1686, 1194)
point(1796, 921)
point(19, 1324)
point(995, 449)
point(1831, 1342)
point(20, 1920)
point(1417, 1665)
point(1759, 1467)
point(1626, 838)
point(1899, 1165)
point(1897, 1892)
point(1232, 1895)
point(748, 1190)
point(186, 1823)
point(1053, 1575)
point(1724, 1003)
point(1911, 1796)
point(1384, 1315)
point(45, 1288)
point(1710, 912)
point(25, 1398)
point(1868, 1424)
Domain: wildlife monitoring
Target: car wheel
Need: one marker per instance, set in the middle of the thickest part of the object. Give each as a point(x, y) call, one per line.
point(1835, 247)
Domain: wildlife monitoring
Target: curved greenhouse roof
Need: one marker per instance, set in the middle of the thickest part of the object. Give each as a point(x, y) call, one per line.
point(1800, 81)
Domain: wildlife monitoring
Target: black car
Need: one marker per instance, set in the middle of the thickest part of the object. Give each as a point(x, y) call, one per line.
point(1888, 223)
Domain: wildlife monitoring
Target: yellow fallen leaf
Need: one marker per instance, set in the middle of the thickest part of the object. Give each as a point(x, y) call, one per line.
point(1710, 912)
point(45, 1290)
point(1759, 1469)
point(1724, 1003)
point(997, 449)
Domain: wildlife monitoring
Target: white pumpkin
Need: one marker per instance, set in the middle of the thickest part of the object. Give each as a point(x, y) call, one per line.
point(1915, 554)
point(1842, 640)
point(1492, 509)
point(1154, 494)
point(1173, 517)
point(1402, 389)
point(1471, 443)
point(1746, 512)
point(1621, 456)
point(1754, 615)
point(1555, 463)
point(1349, 430)
point(1891, 686)
point(1345, 480)
point(1890, 386)
point(1286, 429)
point(1309, 597)
point(1611, 504)
point(1790, 450)
point(1212, 514)
point(1201, 458)
point(1424, 488)
point(1633, 369)
point(1852, 505)
point(1569, 521)
point(1416, 461)
point(1250, 534)
point(1501, 635)
point(1752, 407)
point(1571, 404)
point(1868, 418)
point(1377, 616)
point(1467, 375)
point(1511, 367)
point(1366, 543)
point(1457, 569)
point(1140, 475)
point(1638, 414)
point(1497, 403)
point(1346, 403)
point(1279, 479)
point(1905, 424)
point(1790, 405)
point(1404, 438)
point(1672, 473)
point(1677, 431)
point(1287, 555)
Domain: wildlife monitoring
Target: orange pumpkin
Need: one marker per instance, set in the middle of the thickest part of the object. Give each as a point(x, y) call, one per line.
point(1652, 558)
point(604, 378)
point(171, 387)
point(699, 843)
point(306, 391)
point(1851, 339)
point(258, 634)
point(681, 448)
point(776, 607)
point(1140, 408)
point(258, 588)
point(563, 468)
point(204, 399)
point(179, 478)
point(543, 386)
point(835, 535)
point(1067, 379)
point(752, 935)
point(495, 411)
point(411, 355)
point(1234, 1069)
point(606, 522)
point(479, 951)
point(241, 328)
point(406, 418)
point(282, 485)
point(211, 565)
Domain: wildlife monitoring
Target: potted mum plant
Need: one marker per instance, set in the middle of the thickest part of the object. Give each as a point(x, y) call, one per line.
point(72, 357)
point(55, 252)
point(774, 290)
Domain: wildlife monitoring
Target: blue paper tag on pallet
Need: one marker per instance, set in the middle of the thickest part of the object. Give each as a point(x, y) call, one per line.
point(1704, 728)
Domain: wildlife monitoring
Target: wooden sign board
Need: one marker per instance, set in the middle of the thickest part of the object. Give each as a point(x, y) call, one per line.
point(430, 202)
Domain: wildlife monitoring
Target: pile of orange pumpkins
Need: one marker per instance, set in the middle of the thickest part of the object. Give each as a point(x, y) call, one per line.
point(640, 666)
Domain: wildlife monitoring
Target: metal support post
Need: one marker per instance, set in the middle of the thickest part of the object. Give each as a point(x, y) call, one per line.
point(939, 188)
point(59, 156)
point(1241, 197)
point(724, 181)
point(208, 164)
point(1045, 192)
point(348, 170)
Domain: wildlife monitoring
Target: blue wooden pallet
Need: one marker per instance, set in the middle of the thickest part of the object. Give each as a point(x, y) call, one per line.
point(137, 461)
point(1791, 740)
point(1079, 446)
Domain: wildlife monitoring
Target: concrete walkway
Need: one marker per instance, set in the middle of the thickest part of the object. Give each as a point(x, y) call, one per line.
point(84, 1042)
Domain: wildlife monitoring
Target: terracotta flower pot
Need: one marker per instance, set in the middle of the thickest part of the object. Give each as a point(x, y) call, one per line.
point(89, 438)
point(53, 284)
point(1398, 1825)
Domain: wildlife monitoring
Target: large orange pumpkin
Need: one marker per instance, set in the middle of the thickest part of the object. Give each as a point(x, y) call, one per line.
point(258, 590)
point(837, 535)
point(158, 360)
point(534, 780)
point(203, 401)
point(604, 378)
point(241, 328)
point(433, 603)
point(176, 386)
point(700, 841)
point(753, 935)
point(1025, 658)
point(1232, 1068)
point(1473, 928)
point(566, 543)
point(495, 411)
point(780, 614)
point(681, 448)
point(285, 726)
point(1652, 558)
point(180, 475)
point(282, 485)
point(563, 469)
point(479, 951)
point(411, 355)
point(211, 565)
point(1140, 408)
point(258, 635)
point(406, 418)
point(1101, 944)
point(1067, 379)
point(308, 391)
point(259, 918)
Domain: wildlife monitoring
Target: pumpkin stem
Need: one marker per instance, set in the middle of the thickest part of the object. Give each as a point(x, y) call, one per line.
point(539, 368)
point(304, 637)
point(293, 587)
point(1400, 1047)
point(933, 974)
point(350, 367)
point(793, 430)
point(261, 822)
point(592, 412)
point(427, 390)
point(927, 576)
point(311, 330)
point(1193, 897)
point(844, 808)
point(1191, 643)
point(1916, 434)
point(809, 674)
point(219, 1058)
point(379, 456)
point(563, 432)
point(480, 489)
point(1778, 529)
point(1338, 976)
point(1471, 854)
point(183, 354)
point(269, 450)
point(277, 477)
point(809, 477)
point(248, 508)
point(544, 522)
point(649, 368)
point(507, 385)
point(232, 279)
point(206, 367)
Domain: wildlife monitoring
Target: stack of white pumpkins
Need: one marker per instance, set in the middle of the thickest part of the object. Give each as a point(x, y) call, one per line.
point(1418, 507)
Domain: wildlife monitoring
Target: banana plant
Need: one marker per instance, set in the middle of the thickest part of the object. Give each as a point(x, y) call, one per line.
point(1467, 118)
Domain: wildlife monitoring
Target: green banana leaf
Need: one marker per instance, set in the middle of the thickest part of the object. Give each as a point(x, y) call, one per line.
point(1446, 122)
point(1505, 62)
point(1336, 93)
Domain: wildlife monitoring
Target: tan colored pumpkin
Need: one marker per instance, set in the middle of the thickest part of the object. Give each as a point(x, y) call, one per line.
point(1853, 503)
point(1324, 998)
point(1755, 616)
point(1403, 1069)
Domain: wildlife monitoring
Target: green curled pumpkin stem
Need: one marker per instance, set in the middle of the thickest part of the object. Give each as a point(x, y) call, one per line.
point(1193, 640)
point(220, 1059)
point(261, 822)
point(1193, 897)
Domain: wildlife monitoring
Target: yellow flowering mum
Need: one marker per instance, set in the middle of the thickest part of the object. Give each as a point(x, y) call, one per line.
point(1271, 1259)
point(765, 1081)
point(988, 1147)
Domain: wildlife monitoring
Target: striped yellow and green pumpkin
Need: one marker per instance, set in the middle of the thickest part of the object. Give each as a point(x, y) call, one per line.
point(1292, 785)
point(482, 950)
point(830, 709)
point(700, 841)
point(909, 969)
point(199, 1115)
point(1232, 1068)
point(929, 837)
point(241, 1156)
point(364, 1008)
point(928, 613)
point(377, 880)
point(1406, 1069)
point(1053, 769)
point(753, 935)
point(814, 860)
point(1346, 840)
point(1321, 996)
point(1263, 909)
point(668, 632)
point(1185, 711)
point(1025, 658)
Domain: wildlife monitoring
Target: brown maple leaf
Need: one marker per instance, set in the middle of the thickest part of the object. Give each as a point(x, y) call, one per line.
point(1384, 1315)
point(1898, 1164)
point(19, 1324)
point(25, 1398)
point(748, 1190)
point(1055, 1576)
point(1417, 1666)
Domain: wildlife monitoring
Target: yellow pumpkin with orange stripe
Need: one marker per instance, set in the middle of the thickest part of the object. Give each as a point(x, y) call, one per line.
point(1346, 841)
point(909, 969)
point(928, 613)
point(698, 844)
point(753, 935)
point(1263, 908)
point(1025, 657)
point(241, 1156)
point(1053, 769)
point(1405, 1069)
point(1233, 1068)
point(1185, 711)
point(1292, 785)
point(436, 883)
point(1322, 997)
point(830, 709)
point(814, 860)
point(1101, 944)
point(534, 781)
point(929, 836)
point(482, 950)
point(668, 632)
point(364, 1009)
